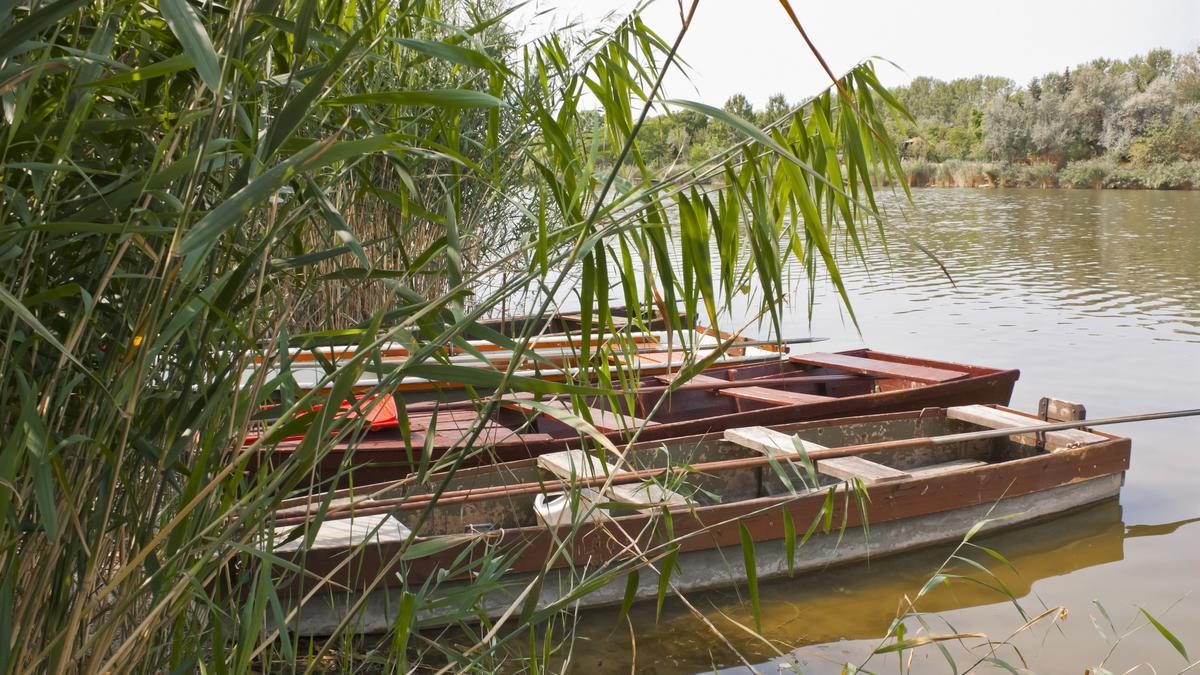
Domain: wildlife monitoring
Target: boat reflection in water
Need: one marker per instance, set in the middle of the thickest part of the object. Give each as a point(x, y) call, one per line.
point(856, 602)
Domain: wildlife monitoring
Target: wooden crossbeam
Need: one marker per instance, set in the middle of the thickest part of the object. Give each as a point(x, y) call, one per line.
point(773, 396)
point(862, 366)
point(945, 467)
point(870, 473)
point(347, 532)
point(999, 419)
point(752, 392)
point(707, 380)
point(768, 441)
point(648, 495)
point(577, 465)
point(603, 420)
point(455, 425)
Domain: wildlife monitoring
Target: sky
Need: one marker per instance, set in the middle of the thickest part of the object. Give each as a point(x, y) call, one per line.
point(750, 46)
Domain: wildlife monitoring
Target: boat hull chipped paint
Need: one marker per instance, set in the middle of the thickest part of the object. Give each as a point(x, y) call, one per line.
point(732, 490)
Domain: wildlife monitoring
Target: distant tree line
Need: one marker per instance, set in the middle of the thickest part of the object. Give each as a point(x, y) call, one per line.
point(1114, 123)
point(1144, 110)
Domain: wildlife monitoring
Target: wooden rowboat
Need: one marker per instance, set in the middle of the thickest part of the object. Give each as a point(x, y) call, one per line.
point(751, 483)
point(799, 387)
point(553, 357)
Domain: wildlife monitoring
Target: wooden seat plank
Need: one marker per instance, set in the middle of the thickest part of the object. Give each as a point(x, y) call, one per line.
point(993, 418)
point(648, 495)
point(752, 392)
point(446, 419)
point(577, 465)
point(773, 396)
point(603, 420)
point(768, 440)
point(945, 467)
point(863, 366)
point(801, 377)
point(348, 532)
point(708, 380)
point(491, 434)
point(452, 427)
point(525, 438)
point(673, 357)
point(870, 473)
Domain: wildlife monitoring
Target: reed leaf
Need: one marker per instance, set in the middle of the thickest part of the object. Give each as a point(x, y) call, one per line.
point(751, 567)
point(197, 45)
point(1167, 635)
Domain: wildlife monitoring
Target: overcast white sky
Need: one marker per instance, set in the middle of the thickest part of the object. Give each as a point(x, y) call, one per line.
point(751, 46)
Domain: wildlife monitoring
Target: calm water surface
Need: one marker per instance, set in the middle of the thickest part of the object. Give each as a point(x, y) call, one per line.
point(1095, 296)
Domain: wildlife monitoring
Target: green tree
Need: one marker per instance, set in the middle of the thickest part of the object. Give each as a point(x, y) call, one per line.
point(1137, 115)
point(1006, 129)
point(777, 107)
point(1186, 74)
point(739, 105)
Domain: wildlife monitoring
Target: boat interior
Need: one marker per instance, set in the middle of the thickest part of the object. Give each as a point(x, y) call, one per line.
point(799, 379)
point(559, 487)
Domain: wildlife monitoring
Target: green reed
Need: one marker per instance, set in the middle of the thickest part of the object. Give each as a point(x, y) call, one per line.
point(189, 186)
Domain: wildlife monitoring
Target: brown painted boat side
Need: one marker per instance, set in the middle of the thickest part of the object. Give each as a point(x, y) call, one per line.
point(716, 526)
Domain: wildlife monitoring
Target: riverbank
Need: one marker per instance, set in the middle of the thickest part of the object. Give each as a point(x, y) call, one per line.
point(1091, 174)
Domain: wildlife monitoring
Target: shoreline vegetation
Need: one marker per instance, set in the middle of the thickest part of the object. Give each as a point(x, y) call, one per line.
point(1098, 173)
point(1114, 124)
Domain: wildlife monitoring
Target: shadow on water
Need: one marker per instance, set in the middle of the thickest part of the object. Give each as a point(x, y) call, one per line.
point(855, 602)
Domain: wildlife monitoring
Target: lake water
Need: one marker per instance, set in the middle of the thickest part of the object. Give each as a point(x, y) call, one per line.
point(1095, 296)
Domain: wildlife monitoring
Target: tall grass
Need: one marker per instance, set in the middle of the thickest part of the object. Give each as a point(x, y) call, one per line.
point(187, 186)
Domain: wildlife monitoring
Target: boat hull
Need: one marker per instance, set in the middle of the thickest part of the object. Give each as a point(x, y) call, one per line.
point(723, 566)
point(940, 492)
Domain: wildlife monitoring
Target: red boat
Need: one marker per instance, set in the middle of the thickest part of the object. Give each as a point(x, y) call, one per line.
point(793, 389)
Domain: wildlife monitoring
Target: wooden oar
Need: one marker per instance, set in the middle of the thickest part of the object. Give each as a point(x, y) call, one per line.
point(930, 441)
